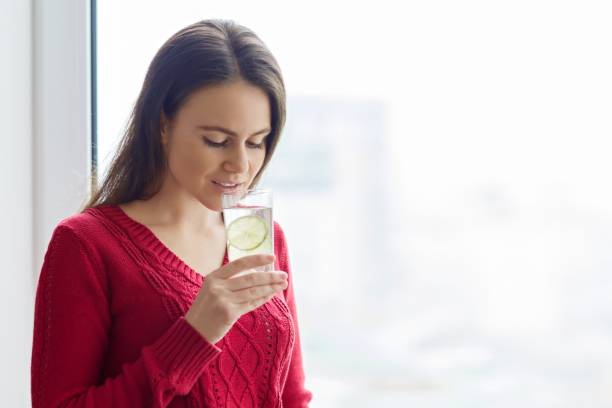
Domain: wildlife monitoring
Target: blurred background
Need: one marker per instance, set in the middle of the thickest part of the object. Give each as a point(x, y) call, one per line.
point(443, 182)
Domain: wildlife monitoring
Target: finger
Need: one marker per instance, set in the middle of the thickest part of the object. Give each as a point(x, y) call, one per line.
point(255, 279)
point(256, 292)
point(254, 304)
point(244, 263)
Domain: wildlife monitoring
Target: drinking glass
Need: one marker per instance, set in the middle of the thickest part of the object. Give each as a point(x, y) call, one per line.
point(248, 224)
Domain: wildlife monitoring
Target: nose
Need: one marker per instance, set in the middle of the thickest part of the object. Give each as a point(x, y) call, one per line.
point(237, 160)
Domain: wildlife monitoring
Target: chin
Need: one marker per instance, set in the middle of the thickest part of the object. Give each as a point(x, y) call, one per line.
point(217, 208)
point(211, 203)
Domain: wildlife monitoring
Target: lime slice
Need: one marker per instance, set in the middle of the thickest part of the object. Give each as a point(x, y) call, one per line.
point(247, 233)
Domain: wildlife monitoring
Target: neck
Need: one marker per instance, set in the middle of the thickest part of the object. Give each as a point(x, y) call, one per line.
point(174, 207)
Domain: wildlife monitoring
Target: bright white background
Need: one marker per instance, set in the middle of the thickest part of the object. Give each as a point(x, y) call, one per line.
point(16, 203)
point(443, 181)
point(44, 171)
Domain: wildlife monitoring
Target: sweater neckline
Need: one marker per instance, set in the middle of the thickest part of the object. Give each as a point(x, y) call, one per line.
point(147, 238)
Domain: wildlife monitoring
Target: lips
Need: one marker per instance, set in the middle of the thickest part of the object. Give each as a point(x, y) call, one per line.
point(229, 188)
point(226, 184)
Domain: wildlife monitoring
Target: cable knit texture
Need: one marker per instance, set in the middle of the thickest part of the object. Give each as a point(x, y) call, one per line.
point(109, 327)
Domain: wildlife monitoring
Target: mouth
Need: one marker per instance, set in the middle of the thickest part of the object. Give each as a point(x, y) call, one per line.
point(227, 187)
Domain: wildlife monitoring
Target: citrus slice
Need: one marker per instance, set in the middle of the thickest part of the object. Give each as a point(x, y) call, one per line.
point(247, 233)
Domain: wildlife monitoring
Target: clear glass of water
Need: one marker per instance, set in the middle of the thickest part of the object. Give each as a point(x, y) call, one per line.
point(248, 224)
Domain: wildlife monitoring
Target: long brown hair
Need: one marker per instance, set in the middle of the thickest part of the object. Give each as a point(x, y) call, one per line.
point(208, 52)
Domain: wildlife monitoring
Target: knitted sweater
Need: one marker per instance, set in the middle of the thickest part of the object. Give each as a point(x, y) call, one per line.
point(109, 327)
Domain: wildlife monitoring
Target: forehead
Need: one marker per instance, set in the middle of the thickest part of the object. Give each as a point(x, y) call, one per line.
point(239, 106)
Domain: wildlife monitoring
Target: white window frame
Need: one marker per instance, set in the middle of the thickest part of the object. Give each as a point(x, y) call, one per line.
point(62, 119)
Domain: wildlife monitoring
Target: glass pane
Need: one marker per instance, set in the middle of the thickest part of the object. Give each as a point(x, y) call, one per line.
point(443, 183)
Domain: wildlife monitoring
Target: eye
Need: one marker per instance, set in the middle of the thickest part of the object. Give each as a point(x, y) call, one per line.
point(260, 145)
point(214, 144)
point(210, 143)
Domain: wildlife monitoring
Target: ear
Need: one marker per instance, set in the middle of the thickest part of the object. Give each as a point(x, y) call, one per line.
point(163, 129)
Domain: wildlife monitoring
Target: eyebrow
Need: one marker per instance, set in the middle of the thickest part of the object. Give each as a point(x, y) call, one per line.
point(231, 132)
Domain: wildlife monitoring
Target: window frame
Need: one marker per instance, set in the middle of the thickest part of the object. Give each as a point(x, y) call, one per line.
point(63, 72)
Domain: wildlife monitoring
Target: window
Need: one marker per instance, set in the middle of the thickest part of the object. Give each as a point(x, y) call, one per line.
point(443, 183)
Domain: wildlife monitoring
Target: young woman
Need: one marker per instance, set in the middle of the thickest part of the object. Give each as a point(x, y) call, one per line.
point(137, 304)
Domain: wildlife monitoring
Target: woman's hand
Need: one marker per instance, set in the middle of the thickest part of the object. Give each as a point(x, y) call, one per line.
point(224, 298)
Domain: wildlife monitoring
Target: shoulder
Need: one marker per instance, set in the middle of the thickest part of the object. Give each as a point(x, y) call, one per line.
point(82, 224)
point(85, 219)
point(74, 251)
point(80, 230)
point(281, 250)
point(280, 241)
point(278, 230)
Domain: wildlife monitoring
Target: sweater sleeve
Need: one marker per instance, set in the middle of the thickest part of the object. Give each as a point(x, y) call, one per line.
point(72, 323)
point(294, 395)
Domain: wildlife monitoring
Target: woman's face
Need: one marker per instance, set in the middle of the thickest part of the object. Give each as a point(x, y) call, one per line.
point(217, 136)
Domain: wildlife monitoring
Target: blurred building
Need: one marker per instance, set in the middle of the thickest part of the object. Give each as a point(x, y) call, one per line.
point(331, 175)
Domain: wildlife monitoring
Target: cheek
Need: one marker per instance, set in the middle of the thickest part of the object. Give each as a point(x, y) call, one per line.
point(256, 160)
point(189, 164)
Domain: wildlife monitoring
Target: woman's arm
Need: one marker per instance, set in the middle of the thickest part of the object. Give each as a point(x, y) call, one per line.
point(294, 393)
point(71, 327)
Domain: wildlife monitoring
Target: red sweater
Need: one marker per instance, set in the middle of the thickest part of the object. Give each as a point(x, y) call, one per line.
point(109, 327)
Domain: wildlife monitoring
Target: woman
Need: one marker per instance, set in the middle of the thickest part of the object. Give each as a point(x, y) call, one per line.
point(137, 304)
